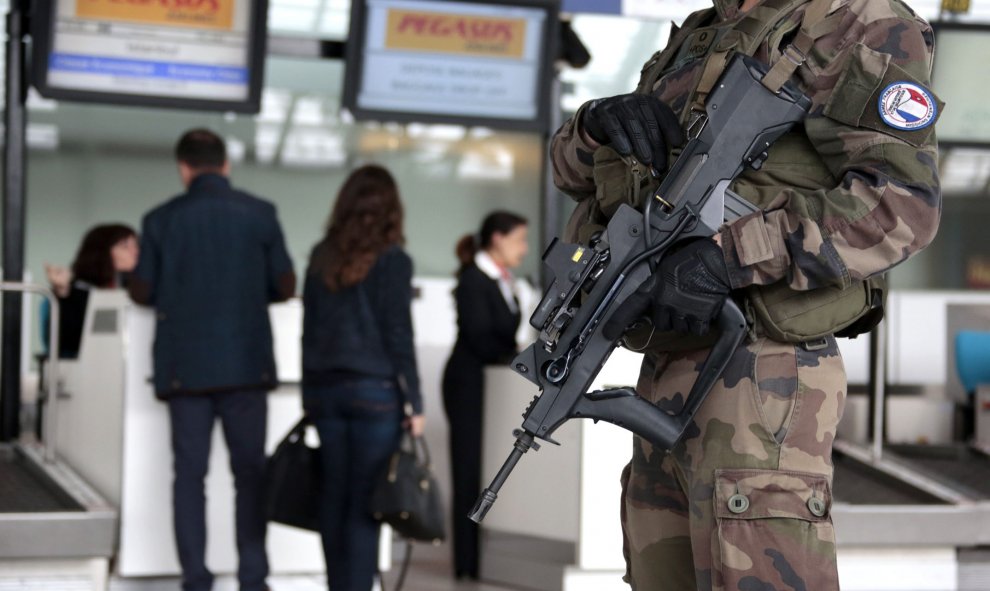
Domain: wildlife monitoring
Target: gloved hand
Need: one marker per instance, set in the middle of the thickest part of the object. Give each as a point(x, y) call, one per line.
point(684, 295)
point(637, 124)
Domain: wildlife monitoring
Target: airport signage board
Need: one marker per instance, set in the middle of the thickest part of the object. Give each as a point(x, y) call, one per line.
point(965, 120)
point(464, 62)
point(199, 54)
point(592, 6)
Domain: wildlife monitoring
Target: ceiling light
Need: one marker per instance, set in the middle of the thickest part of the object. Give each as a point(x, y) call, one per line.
point(448, 133)
point(274, 105)
point(42, 136)
point(308, 111)
point(486, 165)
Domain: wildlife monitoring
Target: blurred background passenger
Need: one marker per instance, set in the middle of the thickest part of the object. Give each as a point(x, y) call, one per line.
point(212, 260)
point(359, 364)
point(487, 319)
point(107, 255)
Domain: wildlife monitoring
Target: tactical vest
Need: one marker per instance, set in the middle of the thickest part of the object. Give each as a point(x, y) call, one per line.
point(776, 310)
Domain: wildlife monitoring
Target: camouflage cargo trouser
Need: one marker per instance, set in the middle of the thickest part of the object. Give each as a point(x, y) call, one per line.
point(742, 503)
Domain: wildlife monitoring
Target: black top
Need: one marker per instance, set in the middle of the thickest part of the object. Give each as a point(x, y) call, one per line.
point(486, 326)
point(363, 330)
point(71, 318)
point(211, 261)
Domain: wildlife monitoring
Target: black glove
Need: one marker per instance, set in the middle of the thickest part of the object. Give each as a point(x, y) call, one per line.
point(637, 124)
point(686, 293)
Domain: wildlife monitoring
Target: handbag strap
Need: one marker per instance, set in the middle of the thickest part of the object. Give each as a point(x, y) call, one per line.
point(400, 583)
point(418, 447)
point(407, 407)
point(299, 430)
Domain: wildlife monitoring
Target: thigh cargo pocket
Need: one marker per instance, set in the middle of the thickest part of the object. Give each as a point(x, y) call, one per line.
point(774, 531)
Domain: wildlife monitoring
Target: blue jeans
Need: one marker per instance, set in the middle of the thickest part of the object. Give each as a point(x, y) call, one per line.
point(360, 423)
point(244, 418)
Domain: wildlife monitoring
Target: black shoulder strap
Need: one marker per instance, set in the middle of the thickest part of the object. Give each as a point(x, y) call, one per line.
point(814, 26)
point(757, 25)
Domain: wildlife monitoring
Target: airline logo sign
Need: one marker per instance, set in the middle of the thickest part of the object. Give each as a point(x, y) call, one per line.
point(206, 14)
point(461, 34)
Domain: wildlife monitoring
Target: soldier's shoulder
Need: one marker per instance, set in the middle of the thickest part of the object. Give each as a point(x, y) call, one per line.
point(872, 11)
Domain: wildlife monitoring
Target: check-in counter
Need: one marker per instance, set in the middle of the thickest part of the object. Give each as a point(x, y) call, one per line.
point(558, 513)
point(115, 433)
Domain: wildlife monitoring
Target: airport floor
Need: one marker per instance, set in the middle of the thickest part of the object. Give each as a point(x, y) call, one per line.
point(429, 571)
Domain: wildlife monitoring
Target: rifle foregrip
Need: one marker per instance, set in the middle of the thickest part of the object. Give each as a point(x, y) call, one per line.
point(622, 407)
point(732, 326)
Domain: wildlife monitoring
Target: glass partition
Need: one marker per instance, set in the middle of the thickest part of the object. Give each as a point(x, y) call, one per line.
point(110, 163)
point(90, 164)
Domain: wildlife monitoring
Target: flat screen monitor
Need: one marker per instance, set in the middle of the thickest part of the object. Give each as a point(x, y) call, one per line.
point(466, 62)
point(960, 53)
point(196, 54)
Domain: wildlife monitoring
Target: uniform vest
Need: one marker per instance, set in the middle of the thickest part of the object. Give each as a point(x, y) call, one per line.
point(682, 74)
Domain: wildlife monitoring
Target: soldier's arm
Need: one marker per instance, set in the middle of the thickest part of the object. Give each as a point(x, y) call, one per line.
point(572, 155)
point(887, 201)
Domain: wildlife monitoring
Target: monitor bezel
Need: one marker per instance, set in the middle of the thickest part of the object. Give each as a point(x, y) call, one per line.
point(354, 69)
point(42, 35)
point(939, 27)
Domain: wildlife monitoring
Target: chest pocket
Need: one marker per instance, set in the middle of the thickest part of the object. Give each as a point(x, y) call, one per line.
point(695, 47)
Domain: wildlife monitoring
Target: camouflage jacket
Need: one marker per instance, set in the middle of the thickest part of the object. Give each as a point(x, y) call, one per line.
point(845, 196)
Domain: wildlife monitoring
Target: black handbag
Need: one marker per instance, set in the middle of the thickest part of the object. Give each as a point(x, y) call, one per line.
point(292, 487)
point(406, 495)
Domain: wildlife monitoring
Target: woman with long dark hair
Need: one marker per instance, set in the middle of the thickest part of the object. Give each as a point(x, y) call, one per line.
point(359, 365)
point(487, 320)
point(106, 256)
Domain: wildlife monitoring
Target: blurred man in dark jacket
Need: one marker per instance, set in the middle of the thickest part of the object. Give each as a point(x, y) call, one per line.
point(212, 260)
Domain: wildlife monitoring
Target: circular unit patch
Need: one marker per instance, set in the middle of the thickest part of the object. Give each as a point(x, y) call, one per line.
point(907, 106)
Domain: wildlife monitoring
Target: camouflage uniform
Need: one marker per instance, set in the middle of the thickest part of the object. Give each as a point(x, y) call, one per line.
point(742, 504)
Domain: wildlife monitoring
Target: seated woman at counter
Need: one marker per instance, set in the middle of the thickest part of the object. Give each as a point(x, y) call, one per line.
point(487, 319)
point(107, 255)
point(359, 364)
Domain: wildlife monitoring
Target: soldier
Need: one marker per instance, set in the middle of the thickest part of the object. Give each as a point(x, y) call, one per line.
point(742, 503)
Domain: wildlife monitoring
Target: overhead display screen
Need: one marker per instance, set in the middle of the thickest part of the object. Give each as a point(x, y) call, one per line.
point(463, 62)
point(202, 54)
point(965, 121)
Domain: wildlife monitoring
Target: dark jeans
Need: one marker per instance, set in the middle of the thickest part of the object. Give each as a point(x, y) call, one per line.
point(360, 424)
point(244, 418)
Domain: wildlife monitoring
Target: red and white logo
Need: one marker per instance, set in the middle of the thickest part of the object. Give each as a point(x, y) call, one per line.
point(907, 106)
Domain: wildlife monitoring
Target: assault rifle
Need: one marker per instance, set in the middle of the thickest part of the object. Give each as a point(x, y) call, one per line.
point(742, 119)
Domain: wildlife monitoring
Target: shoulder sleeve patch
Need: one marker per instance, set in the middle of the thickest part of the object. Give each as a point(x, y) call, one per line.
point(907, 106)
point(876, 94)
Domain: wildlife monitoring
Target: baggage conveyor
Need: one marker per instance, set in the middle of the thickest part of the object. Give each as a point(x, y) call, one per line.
point(892, 501)
point(885, 499)
point(962, 467)
point(46, 510)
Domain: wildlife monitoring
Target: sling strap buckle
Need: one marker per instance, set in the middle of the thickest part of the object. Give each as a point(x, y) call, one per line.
point(794, 55)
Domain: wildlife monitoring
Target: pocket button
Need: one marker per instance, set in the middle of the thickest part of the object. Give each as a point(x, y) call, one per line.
point(816, 506)
point(738, 503)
